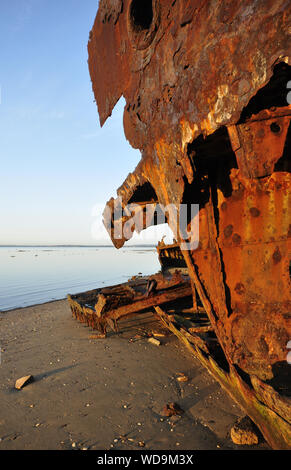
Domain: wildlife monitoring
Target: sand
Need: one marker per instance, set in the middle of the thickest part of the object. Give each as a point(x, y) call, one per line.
point(104, 393)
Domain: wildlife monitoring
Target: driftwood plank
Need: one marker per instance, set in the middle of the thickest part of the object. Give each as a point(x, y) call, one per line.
point(159, 298)
point(200, 329)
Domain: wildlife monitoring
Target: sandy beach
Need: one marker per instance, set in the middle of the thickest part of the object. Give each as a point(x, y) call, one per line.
point(104, 394)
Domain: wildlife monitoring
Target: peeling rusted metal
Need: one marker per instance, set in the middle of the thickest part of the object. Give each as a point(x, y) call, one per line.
point(205, 85)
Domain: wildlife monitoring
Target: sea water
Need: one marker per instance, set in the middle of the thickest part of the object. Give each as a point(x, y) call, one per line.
point(34, 275)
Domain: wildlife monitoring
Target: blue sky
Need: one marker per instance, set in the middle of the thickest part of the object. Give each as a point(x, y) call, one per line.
point(57, 164)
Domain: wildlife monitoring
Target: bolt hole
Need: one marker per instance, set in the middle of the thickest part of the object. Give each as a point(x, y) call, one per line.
point(141, 13)
point(275, 128)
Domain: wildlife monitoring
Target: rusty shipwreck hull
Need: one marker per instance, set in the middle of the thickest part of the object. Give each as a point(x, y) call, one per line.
point(206, 84)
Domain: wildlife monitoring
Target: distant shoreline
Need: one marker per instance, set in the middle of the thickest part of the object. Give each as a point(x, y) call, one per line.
point(38, 274)
point(33, 305)
point(76, 246)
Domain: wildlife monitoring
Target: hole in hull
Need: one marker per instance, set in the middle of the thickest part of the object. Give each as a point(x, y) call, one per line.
point(141, 14)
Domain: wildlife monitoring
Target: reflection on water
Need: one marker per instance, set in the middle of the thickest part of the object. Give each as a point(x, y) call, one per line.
point(32, 275)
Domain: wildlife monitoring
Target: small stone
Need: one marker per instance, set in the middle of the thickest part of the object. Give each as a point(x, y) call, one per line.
point(115, 440)
point(20, 383)
point(243, 432)
point(141, 444)
point(154, 341)
point(182, 378)
point(84, 448)
point(74, 444)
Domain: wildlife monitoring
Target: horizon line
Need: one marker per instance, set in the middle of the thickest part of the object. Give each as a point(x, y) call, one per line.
point(70, 245)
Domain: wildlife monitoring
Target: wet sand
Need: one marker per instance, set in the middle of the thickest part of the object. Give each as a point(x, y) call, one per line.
point(104, 394)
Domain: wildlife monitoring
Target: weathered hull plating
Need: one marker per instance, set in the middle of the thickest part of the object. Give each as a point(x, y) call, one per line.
point(205, 85)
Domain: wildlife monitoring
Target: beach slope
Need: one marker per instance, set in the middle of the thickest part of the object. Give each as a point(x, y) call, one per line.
point(104, 394)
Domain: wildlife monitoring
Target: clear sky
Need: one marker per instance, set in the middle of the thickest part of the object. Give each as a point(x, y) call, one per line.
point(58, 167)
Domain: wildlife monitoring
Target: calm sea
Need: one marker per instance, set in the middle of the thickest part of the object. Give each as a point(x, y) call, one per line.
point(33, 275)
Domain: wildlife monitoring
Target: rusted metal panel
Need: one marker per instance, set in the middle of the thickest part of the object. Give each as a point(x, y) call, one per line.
point(259, 143)
point(254, 246)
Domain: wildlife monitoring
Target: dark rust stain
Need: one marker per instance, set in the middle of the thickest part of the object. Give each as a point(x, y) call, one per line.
point(228, 231)
point(239, 288)
point(261, 134)
point(236, 239)
point(277, 256)
point(254, 212)
point(238, 194)
point(223, 206)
